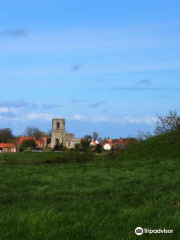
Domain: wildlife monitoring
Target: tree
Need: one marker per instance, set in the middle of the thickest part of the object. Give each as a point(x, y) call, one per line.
point(88, 137)
point(34, 131)
point(59, 147)
point(98, 148)
point(49, 133)
point(6, 135)
point(77, 146)
point(144, 136)
point(28, 144)
point(85, 144)
point(169, 122)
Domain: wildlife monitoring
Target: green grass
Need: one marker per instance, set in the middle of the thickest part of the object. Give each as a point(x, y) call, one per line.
point(162, 146)
point(96, 200)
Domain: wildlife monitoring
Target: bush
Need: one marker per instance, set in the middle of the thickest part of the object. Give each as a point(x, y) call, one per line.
point(68, 157)
point(85, 145)
point(98, 148)
point(113, 154)
point(27, 144)
point(77, 146)
point(59, 147)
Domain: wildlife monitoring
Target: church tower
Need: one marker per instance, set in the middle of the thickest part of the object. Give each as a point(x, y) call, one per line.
point(58, 131)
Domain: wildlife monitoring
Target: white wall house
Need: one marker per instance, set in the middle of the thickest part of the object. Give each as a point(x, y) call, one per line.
point(107, 146)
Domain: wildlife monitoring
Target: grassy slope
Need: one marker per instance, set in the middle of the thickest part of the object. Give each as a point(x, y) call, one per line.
point(103, 200)
point(163, 146)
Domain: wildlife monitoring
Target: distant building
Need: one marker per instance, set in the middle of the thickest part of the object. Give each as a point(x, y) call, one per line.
point(120, 143)
point(94, 143)
point(20, 141)
point(60, 136)
point(108, 146)
point(7, 147)
point(42, 142)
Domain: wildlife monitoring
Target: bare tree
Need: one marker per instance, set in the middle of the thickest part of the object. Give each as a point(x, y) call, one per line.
point(34, 131)
point(144, 136)
point(167, 123)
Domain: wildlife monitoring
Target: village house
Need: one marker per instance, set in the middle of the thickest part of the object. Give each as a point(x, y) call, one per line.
point(108, 146)
point(42, 142)
point(7, 147)
point(94, 143)
point(121, 143)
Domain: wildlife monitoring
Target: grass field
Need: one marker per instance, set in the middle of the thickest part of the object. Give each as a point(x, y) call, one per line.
point(100, 199)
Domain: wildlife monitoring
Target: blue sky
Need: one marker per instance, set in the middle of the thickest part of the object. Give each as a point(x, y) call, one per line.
point(106, 65)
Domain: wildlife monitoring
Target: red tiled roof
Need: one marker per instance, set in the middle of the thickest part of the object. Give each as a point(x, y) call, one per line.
point(42, 140)
point(111, 144)
point(7, 145)
point(22, 139)
point(94, 142)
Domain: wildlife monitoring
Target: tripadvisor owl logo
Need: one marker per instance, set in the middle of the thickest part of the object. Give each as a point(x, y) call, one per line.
point(138, 231)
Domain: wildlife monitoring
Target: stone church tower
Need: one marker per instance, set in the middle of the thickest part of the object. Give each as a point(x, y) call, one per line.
point(59, 134)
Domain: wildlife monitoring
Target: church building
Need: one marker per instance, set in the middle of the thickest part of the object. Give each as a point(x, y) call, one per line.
point(59, 134)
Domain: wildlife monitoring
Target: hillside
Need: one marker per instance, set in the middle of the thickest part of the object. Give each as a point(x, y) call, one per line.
point(162, 146)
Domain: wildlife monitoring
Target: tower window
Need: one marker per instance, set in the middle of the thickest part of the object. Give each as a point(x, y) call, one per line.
point(58, 125)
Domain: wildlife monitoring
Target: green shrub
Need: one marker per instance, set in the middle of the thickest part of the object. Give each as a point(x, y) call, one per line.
point(85, 145)
point(98, 148)
point(27, 144)
point(113, 154)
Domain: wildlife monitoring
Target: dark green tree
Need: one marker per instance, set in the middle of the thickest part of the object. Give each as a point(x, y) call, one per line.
point(28, 144)
point(98, 148)
point(77, 146)
point(6, 135)
point(88, 137)
point(85, 145)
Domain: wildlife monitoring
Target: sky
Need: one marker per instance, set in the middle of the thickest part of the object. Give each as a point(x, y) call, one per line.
point(104, 65)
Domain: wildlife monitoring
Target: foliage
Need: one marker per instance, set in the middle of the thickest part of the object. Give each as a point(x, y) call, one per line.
point(85, 144)
point(77, 146)
point(58, 147)
point(98, 148)
point(144, 136)
point(27, 144)
point(41, 158)
point(169, 122)
point(88, 137)
point(114, 154)
point(6, 135)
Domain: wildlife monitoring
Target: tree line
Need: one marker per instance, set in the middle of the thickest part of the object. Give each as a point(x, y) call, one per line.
point(7, 136)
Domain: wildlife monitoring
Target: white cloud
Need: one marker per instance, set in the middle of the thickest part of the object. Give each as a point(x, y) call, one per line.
point(140, 119)
point(42, 116)
point(122, 120)
point(4, 110)
point(78, 117)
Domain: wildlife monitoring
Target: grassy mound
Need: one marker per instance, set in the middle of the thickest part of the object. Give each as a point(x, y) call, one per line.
point(162, 146)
